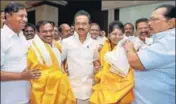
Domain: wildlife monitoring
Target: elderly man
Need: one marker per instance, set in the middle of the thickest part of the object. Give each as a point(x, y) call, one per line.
point(95, 34)
point(81, 53)
point(129, 29)
point(15, 86)
point(64, 30)
point(155, 65)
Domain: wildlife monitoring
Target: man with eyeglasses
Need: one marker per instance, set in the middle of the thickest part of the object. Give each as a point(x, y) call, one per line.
point(155, 65)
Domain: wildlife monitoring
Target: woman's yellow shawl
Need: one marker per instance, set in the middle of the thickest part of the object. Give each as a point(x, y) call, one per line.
point(53, 86)
point(111, 88)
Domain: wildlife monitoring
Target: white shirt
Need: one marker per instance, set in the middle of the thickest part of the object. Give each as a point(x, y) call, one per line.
point(80, 59)
point(100, 40)
point(13, 59)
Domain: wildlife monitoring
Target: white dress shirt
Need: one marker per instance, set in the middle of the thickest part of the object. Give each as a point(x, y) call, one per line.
point(80, 57)
point(13, 59)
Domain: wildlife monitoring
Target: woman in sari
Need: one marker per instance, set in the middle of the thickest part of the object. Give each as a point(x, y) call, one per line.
point(111, 88)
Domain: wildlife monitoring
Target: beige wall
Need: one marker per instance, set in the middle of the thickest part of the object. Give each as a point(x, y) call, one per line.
point(43, 12)
point(46, 12)
point(110, 15)
point(131, 14)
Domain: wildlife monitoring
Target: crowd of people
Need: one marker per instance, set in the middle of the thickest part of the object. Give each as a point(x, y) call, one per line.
point(69, 64)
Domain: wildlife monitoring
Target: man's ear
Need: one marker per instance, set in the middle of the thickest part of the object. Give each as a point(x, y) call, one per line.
point(172, 23)
point(7, 16)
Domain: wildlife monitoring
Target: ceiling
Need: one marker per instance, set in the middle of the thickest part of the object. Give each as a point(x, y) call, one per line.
point(105, 3)
point(121, 4)
point(29, 4)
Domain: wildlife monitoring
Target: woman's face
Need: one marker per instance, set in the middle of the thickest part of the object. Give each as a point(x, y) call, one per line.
point(115, 36)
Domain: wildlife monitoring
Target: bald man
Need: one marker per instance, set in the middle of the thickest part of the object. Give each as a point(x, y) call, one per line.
point(64, 30)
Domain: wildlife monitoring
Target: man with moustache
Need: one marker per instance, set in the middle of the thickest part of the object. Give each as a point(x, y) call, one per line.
point(155, 65)
point(64, 30)
point(129, 29)
point(143, 31)
point(29, 31)
point(95, 32)
point(45, 54)
point(81, 54)
point(15, 76)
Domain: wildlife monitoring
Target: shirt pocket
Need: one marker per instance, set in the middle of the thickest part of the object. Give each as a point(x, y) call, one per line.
point(88, 53)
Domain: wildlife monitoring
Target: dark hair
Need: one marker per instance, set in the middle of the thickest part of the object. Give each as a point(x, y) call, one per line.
point(82, 12)
point(13, 7)
point(115, 25)
point(140, 20)
point(129, 24)
point(52, 22)
point(30, 25)
point(41, 23)
point(171, 10)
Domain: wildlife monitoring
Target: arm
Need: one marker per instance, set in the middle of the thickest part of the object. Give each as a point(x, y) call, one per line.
point(96, 62)
point(63, 57)
point(6, 76)
point(132, 56)
point(25, 75)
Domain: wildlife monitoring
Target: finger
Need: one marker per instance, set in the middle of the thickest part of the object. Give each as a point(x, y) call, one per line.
point(35, 76)
point(33, 70)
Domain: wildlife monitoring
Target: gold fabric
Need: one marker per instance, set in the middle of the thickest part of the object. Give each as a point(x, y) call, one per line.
point(111, 88)
point(53, 86)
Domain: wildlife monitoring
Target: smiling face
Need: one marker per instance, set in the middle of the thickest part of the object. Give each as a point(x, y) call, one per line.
point(158, 22)
point(115, 36)
point(129, 31)
point(46, 33)
point(17, 20)
point(82, 25)
point(94, 31)
point(143, 30)
point(29, 32)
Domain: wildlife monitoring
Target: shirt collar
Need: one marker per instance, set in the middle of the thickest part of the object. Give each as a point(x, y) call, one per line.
point(163, 34)
point(11, 33)
point(76, 36)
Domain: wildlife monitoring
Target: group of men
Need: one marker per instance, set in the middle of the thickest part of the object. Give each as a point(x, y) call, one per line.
point(57, 64)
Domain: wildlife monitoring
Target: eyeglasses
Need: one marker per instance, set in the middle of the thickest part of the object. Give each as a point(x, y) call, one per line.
point(153, 19)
